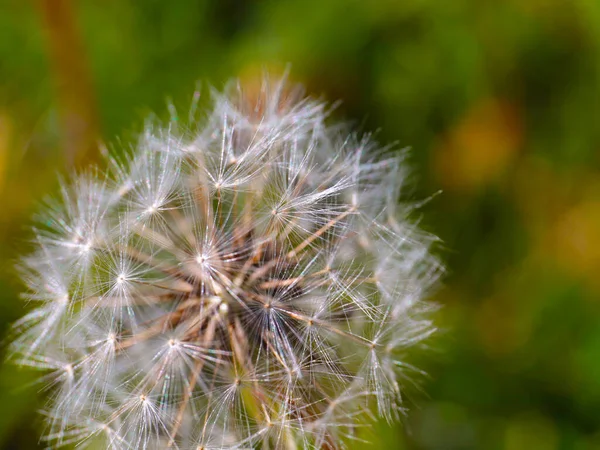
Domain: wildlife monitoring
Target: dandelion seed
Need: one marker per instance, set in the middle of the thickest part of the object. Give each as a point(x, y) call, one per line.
point(253, 283)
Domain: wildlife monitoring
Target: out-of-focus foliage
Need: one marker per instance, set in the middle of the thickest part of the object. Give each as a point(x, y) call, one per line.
point(499, 101)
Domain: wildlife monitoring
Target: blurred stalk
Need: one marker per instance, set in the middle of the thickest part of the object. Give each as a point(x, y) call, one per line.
point(5, 136)
point(76, 102)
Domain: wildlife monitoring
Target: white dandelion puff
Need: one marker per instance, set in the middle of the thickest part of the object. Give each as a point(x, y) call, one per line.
point(254, 283)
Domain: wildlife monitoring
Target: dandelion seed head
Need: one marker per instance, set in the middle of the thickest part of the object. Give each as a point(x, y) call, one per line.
point(254, 281)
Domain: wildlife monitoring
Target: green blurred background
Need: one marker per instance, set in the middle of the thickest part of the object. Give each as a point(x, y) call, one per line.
point(498, 99)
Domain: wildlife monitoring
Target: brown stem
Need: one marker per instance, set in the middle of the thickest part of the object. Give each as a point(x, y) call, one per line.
point(300, 247)
point(208, 336)
point(73, 83)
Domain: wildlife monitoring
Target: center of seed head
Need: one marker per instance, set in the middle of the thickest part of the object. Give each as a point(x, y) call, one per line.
point(220, 304)
point(215, 299)
point(223, 308)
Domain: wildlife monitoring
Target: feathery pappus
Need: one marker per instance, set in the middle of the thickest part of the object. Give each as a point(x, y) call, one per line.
point(251, 282)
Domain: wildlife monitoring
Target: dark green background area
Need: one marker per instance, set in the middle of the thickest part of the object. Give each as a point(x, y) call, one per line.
point(500, 102)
